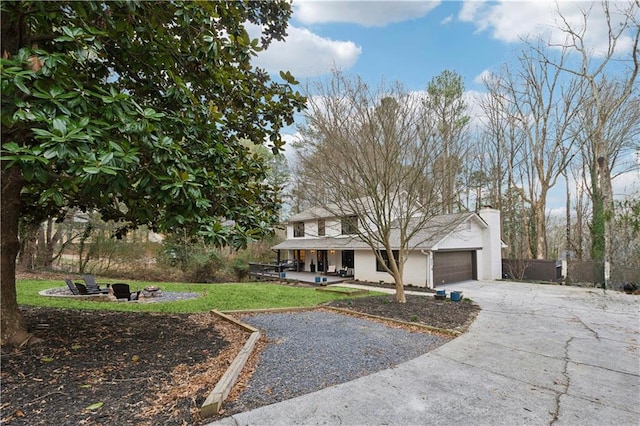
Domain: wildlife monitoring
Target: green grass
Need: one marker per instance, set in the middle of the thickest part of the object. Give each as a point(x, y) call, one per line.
point(223, 297)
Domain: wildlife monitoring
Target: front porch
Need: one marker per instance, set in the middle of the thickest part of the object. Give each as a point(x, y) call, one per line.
point(310, 277)
point(275, 272)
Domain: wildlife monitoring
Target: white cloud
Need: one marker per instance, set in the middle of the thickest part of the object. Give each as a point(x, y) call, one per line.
point(306, 54)
point(482, 77)
point(366, 13)
point(511, 21)
point(447, 20)
point(289, 151)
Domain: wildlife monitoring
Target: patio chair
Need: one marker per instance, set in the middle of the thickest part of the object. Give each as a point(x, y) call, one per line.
point(346, 272)
point(82, 289)
point(123, 291)
point(92, 285)
point(72, 287)
point(331, 270)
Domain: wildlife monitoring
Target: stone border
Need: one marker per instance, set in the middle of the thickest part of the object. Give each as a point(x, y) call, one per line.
point(97, 297)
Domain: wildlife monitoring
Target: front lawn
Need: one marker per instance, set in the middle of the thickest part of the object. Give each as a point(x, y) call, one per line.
point(223, 297)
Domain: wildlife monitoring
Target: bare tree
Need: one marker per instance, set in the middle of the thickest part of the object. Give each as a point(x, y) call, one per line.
point(540, 104)
point(500, 143)
point(370, 153)
point(596, 69)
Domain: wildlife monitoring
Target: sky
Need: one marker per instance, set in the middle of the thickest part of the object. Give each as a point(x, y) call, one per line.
point(414, 41)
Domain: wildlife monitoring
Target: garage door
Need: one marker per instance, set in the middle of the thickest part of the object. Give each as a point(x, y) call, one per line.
point(454, 266)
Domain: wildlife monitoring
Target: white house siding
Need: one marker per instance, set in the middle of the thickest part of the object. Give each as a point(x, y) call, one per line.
point(364, 266)
point(491, 261)
point(415, 270)
point(467, 238)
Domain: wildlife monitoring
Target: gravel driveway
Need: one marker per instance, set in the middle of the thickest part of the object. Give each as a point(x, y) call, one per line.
point(311, 350)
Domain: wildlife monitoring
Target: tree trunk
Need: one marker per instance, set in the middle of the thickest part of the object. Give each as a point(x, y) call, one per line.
point(606, 197)
point(14, 328)
point(541, 231)
point(397, 273)
point(52, 239)
point(400, 296)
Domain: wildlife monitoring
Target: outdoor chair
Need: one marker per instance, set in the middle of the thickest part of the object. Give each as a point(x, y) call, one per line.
point(72, 287)
point(123, 291)
point(92, 286)
point(346, 272)
point(82, 289)
point(331, 270)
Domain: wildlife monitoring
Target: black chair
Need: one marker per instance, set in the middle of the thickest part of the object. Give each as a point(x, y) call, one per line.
point(82, 289)
point(72, 287)
point(123, 291)
point(92, 285)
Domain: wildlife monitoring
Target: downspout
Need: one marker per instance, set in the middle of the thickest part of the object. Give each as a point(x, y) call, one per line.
point(429, 278)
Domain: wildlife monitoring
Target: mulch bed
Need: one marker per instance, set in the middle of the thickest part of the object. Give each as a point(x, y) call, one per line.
point(108, 368)
point(425, 310)
point(115, 368)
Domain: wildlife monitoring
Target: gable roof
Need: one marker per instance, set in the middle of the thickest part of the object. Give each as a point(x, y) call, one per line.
point(434, 230)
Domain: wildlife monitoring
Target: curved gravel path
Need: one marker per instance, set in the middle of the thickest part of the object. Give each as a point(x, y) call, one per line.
point(311, 350)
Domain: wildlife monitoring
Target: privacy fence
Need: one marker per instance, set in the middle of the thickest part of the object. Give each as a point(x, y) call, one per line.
point(569, 272)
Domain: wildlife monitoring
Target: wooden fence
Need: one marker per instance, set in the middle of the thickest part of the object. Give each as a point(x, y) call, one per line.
point(532, 269)
point(580, 272)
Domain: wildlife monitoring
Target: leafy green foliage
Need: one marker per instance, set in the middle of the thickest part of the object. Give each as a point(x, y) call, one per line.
point(138, 111)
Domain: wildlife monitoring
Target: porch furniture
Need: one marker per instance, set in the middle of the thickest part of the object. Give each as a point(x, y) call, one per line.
point(346, 272)
point(82, 289)
point(72, 287)
point(331, 270)
point(92, 285)
point(123, 291)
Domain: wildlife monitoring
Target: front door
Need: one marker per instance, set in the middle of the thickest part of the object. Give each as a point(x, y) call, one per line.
point(322, 261)
point(347, 259)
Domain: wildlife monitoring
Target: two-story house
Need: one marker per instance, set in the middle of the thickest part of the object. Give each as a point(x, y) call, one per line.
point(448, 248)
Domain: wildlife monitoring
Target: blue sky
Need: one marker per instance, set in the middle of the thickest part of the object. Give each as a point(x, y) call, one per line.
point(414, 41)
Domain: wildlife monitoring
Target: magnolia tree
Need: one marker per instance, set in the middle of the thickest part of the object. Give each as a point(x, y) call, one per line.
point(137, 110)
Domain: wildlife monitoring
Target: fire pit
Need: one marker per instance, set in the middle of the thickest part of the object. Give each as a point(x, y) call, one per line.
point(151, 291)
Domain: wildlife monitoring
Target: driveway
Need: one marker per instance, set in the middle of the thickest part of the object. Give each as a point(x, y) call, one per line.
point(536, 355)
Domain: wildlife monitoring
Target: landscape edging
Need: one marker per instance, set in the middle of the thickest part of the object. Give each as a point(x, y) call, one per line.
point(445, 331)
point(213, 403)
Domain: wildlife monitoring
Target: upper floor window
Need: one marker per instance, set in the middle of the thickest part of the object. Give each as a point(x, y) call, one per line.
point(298, 229)
point(321, 230)
point(349, 225)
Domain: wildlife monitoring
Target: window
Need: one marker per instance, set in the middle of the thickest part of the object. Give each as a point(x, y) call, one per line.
point(385, 256)
point(298, 229)
point(321, 227)
point(349, 225)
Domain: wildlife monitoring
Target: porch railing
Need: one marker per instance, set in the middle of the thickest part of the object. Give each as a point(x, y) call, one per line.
point(265, 270)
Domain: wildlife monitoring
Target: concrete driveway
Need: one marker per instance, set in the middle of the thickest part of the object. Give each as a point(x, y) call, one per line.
point(536, 355)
